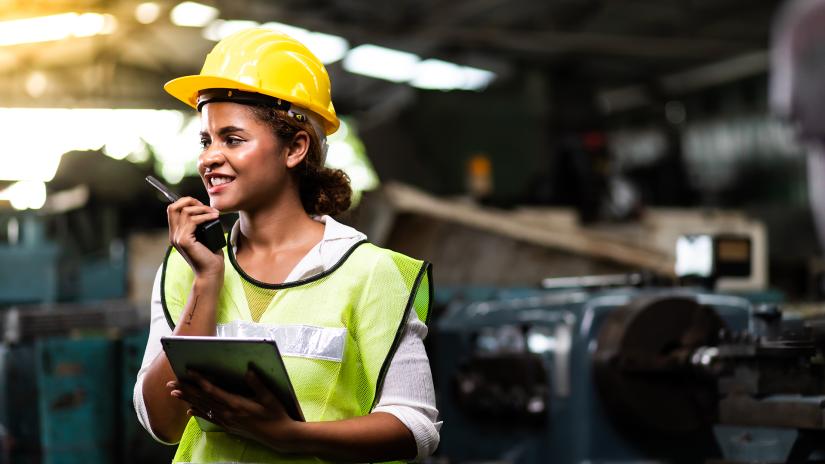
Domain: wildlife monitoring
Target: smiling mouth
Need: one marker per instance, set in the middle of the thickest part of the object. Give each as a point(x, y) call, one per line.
point(216, 181)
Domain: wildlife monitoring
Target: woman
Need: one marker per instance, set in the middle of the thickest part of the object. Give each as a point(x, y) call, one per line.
point(348, 317)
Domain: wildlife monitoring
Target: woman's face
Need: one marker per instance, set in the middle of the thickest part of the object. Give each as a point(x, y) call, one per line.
point(243, 165)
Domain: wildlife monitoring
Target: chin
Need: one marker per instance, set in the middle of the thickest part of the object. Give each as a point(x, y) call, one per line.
point(222, 205)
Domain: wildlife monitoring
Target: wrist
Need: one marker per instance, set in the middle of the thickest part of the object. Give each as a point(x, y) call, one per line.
point(288, 437)
point(207, 281)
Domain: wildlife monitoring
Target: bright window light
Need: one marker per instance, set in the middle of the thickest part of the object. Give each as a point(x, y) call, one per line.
point(340, 154)
point(55, 27)
point(220, 28)
point(381, 63)
point(25, 195)
point(36, 84)
point(120, 133)
point(147, 12)
point(346, 152)
point(193, 14)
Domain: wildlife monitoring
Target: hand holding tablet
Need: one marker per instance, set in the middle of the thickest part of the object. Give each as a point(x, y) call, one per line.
point(225, 362)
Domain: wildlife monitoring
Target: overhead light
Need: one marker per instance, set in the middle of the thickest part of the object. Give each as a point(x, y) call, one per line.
point(89, 24)
point(438, 75)
point(382, 63)
point(292, 31)
point(220, 28)
point(25, 195)
point(327, 47)
point(476, 79)
point(443, 75)
point(147, 12)
point(55, 27)
point(397, 66)
point(193, 14)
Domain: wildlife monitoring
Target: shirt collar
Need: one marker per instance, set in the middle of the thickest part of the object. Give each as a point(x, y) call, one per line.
point(333, 230)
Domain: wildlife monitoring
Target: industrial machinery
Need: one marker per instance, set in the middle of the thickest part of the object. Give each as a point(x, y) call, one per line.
point(642, 373)
point(70, 348)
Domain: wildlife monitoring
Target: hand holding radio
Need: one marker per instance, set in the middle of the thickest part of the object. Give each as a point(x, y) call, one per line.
point(194, 230)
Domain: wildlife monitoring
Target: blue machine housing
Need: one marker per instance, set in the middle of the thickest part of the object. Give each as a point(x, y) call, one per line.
point(559, 331)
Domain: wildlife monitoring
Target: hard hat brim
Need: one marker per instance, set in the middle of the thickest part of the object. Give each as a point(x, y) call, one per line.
point(186, 89)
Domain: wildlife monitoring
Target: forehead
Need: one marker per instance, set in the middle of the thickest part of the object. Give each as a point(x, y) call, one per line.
point(221, 114)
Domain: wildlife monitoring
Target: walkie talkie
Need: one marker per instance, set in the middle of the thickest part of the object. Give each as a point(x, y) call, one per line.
point(209, 233)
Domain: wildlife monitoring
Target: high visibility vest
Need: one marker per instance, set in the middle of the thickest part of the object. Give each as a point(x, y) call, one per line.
point(337, 332)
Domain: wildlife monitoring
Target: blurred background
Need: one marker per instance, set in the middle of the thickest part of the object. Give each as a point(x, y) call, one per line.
point(549, 157)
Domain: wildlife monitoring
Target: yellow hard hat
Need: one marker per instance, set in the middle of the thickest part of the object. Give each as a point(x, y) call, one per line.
point(266, 62)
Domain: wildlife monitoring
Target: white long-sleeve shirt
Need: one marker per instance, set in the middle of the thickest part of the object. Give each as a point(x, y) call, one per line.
point(407, 392)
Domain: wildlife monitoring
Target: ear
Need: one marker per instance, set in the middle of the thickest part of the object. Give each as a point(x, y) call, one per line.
point(298, 149)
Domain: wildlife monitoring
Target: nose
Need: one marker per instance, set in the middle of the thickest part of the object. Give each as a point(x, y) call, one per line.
point(210, 159)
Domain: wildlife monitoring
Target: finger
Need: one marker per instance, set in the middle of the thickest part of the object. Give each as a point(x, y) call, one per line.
point(191, 390)
point(200, 209)
point(174, 213)
point(183, 202)
point(201, 218)
point(261, 391)
point(196, 399)
point(221, 398)
point(210, 389)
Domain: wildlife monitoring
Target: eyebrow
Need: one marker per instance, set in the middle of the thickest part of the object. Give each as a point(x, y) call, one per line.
point(223, 131)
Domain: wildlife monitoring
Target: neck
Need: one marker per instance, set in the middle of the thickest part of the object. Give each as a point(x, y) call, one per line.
point(279, 225)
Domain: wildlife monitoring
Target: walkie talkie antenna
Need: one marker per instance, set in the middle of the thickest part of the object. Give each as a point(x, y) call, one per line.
point(170, 195)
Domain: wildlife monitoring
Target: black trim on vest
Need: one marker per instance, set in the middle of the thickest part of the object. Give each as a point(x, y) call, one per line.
point(426, 268)
point(249, 278)
point(313, 278)
point(163, 289)
point(432, 294)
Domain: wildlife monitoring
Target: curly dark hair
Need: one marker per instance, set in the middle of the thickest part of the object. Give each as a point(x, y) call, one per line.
point(322, 190)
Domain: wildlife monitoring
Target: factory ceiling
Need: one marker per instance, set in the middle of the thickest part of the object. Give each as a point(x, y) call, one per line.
point(612, 46)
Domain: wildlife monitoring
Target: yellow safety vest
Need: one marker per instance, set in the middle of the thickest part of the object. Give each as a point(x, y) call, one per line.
point(337, 332)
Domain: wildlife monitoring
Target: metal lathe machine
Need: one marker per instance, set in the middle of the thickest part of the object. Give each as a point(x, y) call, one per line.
point(619, 369)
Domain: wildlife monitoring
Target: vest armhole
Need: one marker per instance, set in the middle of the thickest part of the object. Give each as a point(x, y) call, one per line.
point(163, 288)
point(425, 270)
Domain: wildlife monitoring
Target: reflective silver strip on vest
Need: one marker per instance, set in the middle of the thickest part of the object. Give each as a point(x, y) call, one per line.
point(303, 341)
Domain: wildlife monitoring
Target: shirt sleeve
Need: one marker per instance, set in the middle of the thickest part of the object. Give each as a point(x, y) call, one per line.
point(408, 392)
point(158, 327)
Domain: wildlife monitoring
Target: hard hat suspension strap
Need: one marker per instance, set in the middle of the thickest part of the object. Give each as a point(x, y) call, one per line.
point(242, 97)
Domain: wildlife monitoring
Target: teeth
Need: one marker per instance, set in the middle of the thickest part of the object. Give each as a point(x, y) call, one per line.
point(220, 180)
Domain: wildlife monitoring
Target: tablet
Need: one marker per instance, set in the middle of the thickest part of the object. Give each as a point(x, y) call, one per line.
point(224, 362)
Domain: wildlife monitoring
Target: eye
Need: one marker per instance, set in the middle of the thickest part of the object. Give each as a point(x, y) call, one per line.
point(205, 142)
point(232, 141)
